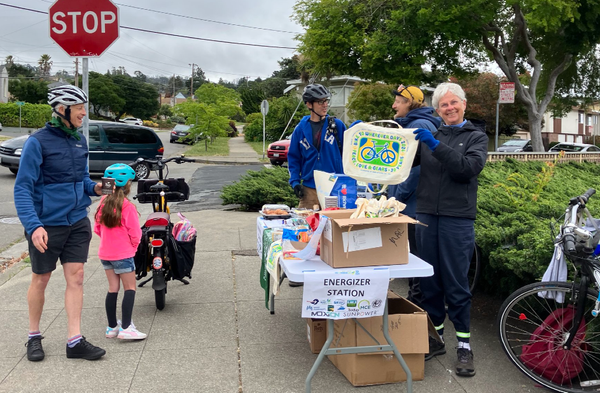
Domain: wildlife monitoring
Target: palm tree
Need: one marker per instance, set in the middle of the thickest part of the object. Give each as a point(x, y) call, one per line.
point(9, 61)
point(45, 65)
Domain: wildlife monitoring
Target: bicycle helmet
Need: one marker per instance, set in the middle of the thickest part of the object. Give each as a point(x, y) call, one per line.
point(122, 173)
point(66, 95)
point(315, 92)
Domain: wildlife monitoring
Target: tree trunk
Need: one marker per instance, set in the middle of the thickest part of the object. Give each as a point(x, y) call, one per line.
point(535, 130)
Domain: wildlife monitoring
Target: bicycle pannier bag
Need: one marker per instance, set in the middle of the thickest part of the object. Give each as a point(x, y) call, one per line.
point(375, 154)
point(544, 353)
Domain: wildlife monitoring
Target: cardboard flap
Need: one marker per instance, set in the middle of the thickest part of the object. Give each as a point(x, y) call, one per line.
point(406, 327)
point(342, 218)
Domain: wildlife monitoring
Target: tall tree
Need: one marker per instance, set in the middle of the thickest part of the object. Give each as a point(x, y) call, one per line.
point(371, 101)
point(9, 61)
point(141, 99)
point(289, 68)
point(45, 65)
point(391, 40)
point(482, 95)
point(27, 90)
point(105, 96)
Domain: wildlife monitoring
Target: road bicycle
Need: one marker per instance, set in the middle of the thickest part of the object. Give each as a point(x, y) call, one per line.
point(159, 252)
point(550, 330)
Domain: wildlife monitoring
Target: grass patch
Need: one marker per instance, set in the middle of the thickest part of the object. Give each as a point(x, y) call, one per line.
point(257, 146)
point(219, 147)
point(4, 138)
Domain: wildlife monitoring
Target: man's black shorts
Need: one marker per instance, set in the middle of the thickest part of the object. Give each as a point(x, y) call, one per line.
point(69, 243)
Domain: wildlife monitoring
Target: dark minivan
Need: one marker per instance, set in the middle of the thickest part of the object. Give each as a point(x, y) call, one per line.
point(109, 142)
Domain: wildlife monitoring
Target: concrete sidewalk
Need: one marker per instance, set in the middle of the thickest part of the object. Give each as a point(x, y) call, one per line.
point(240, 153)
point(214, 335)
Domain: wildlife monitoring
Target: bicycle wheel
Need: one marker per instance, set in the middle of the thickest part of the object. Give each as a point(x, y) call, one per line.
point(532, 330)
point(474, 269)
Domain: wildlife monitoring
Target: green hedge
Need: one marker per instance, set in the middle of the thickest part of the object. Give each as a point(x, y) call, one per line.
point(32, 115)
point(517, 202)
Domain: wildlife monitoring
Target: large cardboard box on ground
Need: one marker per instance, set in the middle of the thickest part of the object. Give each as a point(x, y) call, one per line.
point(408, 328)
point(316, 332)
point(350, 242)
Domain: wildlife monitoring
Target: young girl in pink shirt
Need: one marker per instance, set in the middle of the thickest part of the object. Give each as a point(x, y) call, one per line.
point(118, 226)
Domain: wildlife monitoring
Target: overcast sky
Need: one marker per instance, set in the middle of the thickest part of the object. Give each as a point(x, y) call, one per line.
point(24, 34)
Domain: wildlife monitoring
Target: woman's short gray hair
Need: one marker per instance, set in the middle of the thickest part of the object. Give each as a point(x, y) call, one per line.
point(443, 89)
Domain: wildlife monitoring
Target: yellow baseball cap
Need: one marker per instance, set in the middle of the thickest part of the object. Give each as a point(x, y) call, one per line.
point(410, 92)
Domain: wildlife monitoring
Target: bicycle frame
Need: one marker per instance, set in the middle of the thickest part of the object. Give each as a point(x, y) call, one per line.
point(579, 245)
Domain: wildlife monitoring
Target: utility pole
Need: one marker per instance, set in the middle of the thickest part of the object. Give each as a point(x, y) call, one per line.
point(192, 81)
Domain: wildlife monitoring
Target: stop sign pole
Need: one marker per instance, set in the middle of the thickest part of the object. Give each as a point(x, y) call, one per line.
point(84, 28)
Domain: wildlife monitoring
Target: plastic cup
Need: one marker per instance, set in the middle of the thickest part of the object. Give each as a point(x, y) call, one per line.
point(108, 184)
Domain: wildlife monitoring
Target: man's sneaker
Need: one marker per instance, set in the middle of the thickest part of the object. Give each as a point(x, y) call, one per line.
point(35, 352)
point(131, 333)
point(85, 350)
point(113, 332)
point(464, 364)
point(435, 348)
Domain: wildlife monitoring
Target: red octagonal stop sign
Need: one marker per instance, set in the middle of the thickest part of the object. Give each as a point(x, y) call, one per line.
point(84, 28)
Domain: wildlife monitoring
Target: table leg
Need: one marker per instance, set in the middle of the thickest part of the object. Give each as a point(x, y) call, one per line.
point(322, 354)
point(366, 349)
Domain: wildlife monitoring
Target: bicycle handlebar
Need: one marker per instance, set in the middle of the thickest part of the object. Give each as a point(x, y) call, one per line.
point(167, 193)
point(156, 161)
point(588, 194)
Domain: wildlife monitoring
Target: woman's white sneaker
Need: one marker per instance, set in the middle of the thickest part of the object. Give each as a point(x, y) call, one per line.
point(131, 333)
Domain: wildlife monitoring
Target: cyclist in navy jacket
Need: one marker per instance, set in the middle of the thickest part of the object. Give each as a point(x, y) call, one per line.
point(451, 161)
point(52, 196)
point(316, 144)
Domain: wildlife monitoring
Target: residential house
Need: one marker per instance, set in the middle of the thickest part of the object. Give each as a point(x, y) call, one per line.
point(340, 88)
point(169, 99)
point(580, 125)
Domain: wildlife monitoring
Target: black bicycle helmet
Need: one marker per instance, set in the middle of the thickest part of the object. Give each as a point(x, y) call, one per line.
point(315, 92)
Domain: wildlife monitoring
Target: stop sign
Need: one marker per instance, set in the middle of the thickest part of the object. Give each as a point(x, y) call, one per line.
point(84, 28)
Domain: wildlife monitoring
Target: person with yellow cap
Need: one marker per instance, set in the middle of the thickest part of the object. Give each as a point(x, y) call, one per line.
point(411, 112)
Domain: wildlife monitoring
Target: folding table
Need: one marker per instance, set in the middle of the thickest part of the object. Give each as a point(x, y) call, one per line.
point(294, 270)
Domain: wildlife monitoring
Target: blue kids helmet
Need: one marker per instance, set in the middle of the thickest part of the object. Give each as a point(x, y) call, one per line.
point(121, 173)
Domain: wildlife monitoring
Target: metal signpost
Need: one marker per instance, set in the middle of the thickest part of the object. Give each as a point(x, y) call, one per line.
point(264, 109)
point(84, 28)
point(20, 104)
point(506, 96)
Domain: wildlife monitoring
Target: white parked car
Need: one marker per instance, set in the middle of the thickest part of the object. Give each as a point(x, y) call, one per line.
point(0, 126)
point(132, 120)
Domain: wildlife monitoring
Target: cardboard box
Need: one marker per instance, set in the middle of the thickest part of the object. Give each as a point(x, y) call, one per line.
point(408, 328)
point(316, 332)
point(350, 242)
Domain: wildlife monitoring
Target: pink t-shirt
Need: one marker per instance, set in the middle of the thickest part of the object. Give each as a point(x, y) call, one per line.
point(120, 242)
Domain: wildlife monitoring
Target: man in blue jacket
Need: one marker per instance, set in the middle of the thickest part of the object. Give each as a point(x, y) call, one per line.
point(316, 144)
point(411, 112)
point(52, 196)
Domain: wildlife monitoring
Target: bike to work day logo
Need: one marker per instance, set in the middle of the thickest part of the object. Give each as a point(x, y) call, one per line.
point(379, 152)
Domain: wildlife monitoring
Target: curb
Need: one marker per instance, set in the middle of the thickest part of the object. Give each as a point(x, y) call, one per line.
point(225, 162)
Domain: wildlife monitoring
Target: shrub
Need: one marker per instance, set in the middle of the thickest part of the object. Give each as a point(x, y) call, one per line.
point(256, 188)
point(517, 202)
point(150, 123)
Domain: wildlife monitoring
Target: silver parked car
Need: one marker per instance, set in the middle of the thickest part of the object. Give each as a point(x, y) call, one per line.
point(574, 147)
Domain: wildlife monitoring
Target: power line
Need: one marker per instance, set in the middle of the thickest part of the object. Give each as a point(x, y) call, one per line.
point(200, 19)
point(171, 34)
point(207, 39)
point(209, 20)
